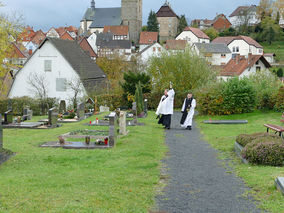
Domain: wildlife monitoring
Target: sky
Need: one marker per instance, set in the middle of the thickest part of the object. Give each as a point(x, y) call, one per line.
point(44, 14)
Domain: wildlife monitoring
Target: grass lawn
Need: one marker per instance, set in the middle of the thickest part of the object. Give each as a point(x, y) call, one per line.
point(277, 48)
point(259, 178)
point(122, 179)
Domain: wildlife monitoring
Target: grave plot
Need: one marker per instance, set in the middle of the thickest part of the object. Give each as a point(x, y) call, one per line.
point(279, 182)
point(226, 122)
point(88, 139)
point(4, 154)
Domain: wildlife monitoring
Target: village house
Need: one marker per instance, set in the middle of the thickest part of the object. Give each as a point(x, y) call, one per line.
point(147, 39)
point(39, 37)
point(52, 33)
point(119, 32)
point(244, 66)
point(175, 46)
point(244, 15)
point(92, 39)
point(241, 45)
point(58, 62)
point(193, 35)
point(107, 47)
point(270, 57)
point(219, 23)
point(84, 44)
point(153, 50)
point(216, 54)
point(18, 55)
point(168, 22)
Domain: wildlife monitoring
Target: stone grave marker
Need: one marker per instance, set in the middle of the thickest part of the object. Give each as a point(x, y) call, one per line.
point(52, 117)
point(81, 111)
point(27, 113)
point(1, 133)
point(145, 106)
point(104, 109)
point(134, 110)
point(122, 123)
point(62, 107)
point(8, 117)
point(113, 130)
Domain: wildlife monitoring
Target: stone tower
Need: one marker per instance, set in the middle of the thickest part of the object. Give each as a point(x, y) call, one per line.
point(131, 15)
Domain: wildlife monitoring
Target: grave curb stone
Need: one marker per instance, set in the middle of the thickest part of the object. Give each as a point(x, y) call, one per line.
point(279, 183)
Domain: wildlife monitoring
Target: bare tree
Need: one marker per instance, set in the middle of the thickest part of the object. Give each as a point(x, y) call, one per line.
point(76, 86)
point(38, 85)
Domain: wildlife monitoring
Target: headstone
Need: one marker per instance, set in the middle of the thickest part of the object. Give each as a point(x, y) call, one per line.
point(104, 109)
point(122, 123)
point(280, 184)
point(10, 105)
point(112, 129)
point(81, 111)
point(1, 133)
point(8, 117)
point(27, 113)
point(52, 117)
point(134, 110)
point(145, 106)
point(62, 107)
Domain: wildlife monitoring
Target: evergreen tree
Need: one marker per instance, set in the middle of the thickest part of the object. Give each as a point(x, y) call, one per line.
point(280, 72)
point(277, 18)
point(271, 35)
point(152, 24)
point(182, 24)
point(139, 98)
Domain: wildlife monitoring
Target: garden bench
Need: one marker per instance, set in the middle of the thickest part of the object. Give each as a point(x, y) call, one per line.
point(276, 128)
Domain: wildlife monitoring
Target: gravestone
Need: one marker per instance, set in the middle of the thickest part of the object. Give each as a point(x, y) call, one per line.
point(27, 113)
point(112, 129)
point(1, 133)
point(104, 109)
point(52, 117)
point(8, 117)
point(81, 111)
point(122, 123)
point(145, 106)
point(134, 111)
point(62, 107)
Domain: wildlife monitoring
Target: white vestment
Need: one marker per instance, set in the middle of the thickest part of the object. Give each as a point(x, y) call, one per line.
point(188, 120)
point(166, 105)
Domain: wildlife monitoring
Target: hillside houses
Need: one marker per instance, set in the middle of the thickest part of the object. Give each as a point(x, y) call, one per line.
point(219, 23)
point(244, 15)
point(147, 39)
point(193, 35)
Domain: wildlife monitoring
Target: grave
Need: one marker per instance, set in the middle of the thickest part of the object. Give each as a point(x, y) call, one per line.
point(1, 133)
point(279, 182)
point(146, 107)
point(134, 111)
point(81, 111)
point(104, 109)
point(226, 122)
point(27, 114)
point(62, 107)
point(122, 123)
point(52, 117)
point(105, 139)
point(8, 117)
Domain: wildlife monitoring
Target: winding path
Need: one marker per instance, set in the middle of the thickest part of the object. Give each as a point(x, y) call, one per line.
point(198, 181)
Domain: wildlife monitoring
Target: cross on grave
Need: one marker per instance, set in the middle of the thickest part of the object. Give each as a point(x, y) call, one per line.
point(81, 111)
point(134, 110)
point(52, 117)
point(1, 133)
point(113, 130)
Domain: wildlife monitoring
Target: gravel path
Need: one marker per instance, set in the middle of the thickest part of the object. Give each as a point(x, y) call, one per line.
point(197, 180)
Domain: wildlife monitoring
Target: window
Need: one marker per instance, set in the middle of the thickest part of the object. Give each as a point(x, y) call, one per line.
point(47, 65)
point(223, 55)
point(260, 51)
point(60, 84)
point(237, 49)
point(159, 49)
point(234, 49)
point(258, 69)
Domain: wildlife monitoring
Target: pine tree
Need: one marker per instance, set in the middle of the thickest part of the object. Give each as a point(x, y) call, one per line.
point(152, 24)
point(139, 98)
point(182, 24)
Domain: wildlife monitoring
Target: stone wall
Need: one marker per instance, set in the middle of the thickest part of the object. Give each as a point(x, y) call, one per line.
point(168, 27)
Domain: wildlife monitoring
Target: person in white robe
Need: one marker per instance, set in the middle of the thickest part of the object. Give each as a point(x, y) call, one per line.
point(166, 108)
point(187, 110)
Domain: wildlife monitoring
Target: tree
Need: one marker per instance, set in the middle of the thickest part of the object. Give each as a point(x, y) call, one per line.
point(271, 30)
point(139, 98)
point(265, 9)
point(76, 86)
point(270, 35)
point(182, 23)
point(144, 28)
point(211, 32)
point(152, 24)
point(228, 32)
point(280, 73)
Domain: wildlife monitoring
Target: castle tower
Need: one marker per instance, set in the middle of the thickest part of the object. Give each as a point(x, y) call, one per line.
point(131, 14)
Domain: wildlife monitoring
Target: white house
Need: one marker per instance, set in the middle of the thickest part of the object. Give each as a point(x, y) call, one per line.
point(93, 42)
point(57, 62)
point(147, 39)
point(154, 50)
point(241, 45)
point(270, 57)
point(242, 66)
point(216, 54)
point(244, 15)
point(52, 33)
point(193, 35)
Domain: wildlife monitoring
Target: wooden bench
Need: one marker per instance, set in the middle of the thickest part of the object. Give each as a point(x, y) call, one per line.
point(276, 128)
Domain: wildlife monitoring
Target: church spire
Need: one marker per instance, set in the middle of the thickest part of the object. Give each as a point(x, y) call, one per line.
point(93, 4)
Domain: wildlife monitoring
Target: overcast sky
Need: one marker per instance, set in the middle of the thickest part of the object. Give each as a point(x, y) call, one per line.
point(43, 14)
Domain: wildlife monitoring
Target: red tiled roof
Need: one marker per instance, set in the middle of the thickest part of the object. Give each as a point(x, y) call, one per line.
point(18, 51)
point(148, 37)
point(66, 36)
point(117, 30)
point(197, 32)
point(71, 29)
point(230, 39)
point(235, 67)
point(166, 11)
point(39, 37)
point(60, 30)
point(239, 10)
point(84, 44)
point(176, 44)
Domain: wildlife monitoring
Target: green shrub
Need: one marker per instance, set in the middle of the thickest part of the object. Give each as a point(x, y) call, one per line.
point(265, 151)
point(245, 139)
point(279, 105)
point(113, 101)
point(139, 98)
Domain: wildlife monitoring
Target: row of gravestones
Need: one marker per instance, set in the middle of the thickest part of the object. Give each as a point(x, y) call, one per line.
point(8, 116)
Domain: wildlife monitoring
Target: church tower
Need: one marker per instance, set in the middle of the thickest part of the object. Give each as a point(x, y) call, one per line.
point(131, 14)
